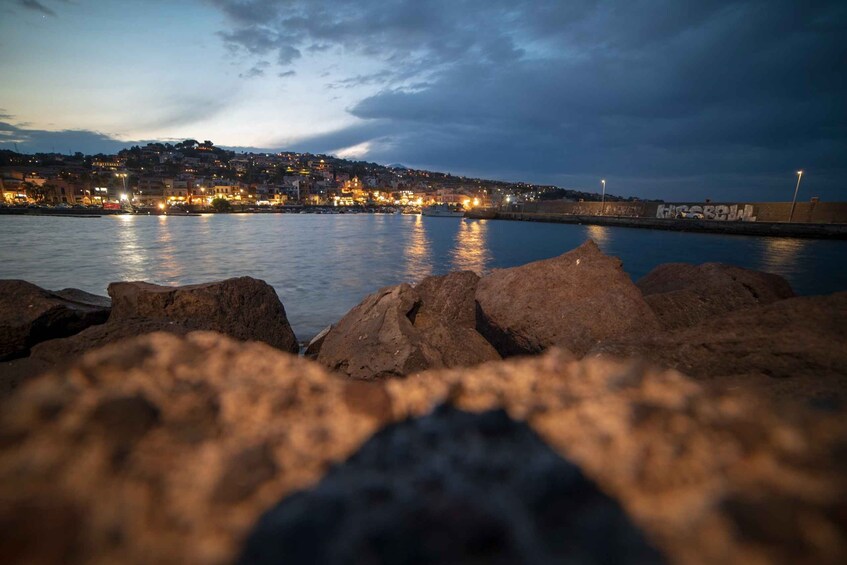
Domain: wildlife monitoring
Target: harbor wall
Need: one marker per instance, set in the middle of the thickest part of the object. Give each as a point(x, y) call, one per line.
point(804, 212)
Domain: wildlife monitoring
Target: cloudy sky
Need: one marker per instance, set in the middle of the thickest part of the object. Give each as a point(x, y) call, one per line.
point(663, 98)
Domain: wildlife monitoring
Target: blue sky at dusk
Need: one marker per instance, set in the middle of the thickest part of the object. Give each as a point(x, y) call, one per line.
point(666, 99)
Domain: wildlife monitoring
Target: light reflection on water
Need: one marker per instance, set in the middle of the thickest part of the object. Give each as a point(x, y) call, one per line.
point(323, 265)
point(600, 234)
point(471, 248)
point(418, 253)
point(779, 255)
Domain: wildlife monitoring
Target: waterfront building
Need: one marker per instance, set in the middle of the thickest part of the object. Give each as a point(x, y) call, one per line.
point(178, 191)
point(150, 191)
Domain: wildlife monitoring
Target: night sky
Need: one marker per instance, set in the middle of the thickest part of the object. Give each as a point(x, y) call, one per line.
point(665, 99)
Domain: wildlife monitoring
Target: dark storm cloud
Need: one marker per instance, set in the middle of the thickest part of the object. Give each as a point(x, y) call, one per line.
point(261, 41)
point(36, 6)
point(20, 138)
point(256, 70)
point(404, 32)
point(359, 80)
point(65, 141)
point(666, 97)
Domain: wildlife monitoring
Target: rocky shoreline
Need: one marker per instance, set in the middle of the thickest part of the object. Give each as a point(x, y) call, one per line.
point(550, 412)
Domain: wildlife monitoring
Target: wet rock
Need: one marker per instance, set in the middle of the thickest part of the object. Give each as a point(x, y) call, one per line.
point(244, 308)
point(792, 348)
point(400, 331)
point(683, 295)
point(29, 315)
point(450, 487)
point(571, 301)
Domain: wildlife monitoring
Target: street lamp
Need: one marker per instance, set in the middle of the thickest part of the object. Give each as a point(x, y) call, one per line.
point(603, 198)
point(122, 176)
point(794, 201)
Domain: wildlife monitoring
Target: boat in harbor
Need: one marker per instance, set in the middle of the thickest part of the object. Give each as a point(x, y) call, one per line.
point(442, 211)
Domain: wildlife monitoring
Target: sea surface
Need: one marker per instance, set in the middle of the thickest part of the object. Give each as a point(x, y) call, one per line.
point(323, 265)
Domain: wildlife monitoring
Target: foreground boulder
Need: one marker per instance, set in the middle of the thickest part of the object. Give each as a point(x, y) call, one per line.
point(450, 487)
point(794, 347)
point(164, 449)
point(244, 308)
point(712, 475)
point(402, 330)
point(29, 315)
point(168, 449)
point(60, 351)
point(571, 301)
point(683, 295)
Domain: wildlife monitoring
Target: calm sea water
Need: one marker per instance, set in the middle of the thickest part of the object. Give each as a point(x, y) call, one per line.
point(323, 265)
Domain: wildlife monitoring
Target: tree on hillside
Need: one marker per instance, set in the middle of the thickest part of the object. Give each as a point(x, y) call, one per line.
point(221, 205)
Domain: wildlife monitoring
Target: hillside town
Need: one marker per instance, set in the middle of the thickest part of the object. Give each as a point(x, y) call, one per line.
point(192, 174)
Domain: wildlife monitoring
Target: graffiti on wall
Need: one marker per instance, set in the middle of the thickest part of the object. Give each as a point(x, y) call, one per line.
point(723, 212)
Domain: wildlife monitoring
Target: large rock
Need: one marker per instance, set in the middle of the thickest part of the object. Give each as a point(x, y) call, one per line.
point(314, 346)
point(712, 475)
point(60, 351)
point(244, 308)
point(16, 371)
point(168, 449)
point(29, 315)
point(448, 299)
point(402, 330)
point(571, 301)
point(450, 487)
point(683, 295)
point(794, 347)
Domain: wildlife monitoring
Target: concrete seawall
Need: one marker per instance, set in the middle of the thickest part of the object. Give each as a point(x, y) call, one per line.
point(774, 212)
point(758, 228)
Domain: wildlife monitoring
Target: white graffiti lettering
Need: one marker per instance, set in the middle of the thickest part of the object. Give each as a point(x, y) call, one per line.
point(721, 212)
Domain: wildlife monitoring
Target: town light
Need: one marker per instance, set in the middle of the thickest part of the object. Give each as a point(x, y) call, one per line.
point(123, 196)
point(161, 205)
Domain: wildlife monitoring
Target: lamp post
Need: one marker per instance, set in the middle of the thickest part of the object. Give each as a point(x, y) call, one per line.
point(603, 199)
point(794, 201)
point(122, 176)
